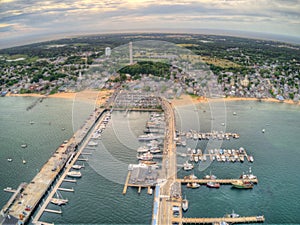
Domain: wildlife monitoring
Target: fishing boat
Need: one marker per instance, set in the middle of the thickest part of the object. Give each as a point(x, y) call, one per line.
point(232, 215)
point(187, 166)
point(192, 185)
point(240, 184)
point(185, 204)
point(76, 174)
point(213, 184)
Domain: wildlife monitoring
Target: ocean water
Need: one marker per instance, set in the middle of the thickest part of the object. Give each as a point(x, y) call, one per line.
point(98, 195)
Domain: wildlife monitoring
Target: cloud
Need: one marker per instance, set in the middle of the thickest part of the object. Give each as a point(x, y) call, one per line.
point(32, 17)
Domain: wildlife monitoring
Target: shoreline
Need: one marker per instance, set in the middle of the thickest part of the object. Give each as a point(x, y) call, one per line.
point(182, 101)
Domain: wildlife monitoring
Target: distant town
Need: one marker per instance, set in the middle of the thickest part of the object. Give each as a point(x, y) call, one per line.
point(241, 67)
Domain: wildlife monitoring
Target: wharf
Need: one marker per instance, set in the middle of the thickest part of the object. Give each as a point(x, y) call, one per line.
point(29, 196)
point(221, 181)
point(250, 219)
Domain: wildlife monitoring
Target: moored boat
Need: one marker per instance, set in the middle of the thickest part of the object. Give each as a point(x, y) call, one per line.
point(185, 204)
point(240, 184)
point(76, 174)
point(193, 185)
point(213, 185)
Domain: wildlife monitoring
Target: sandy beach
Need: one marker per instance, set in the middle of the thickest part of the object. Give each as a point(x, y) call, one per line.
point(98, 97)
point(188, 100)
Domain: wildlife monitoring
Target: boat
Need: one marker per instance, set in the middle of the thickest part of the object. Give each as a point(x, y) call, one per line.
point(24, 146)
point(92, 143)
point(241, 184)
point(142, 149)
point(187, 166)
point(210, 176)
point(213, 184)
point(59, 200)
point(251, 159)
point(146, 156)
point(149, 137)
point(248, 176)
point(232, 215)
point(192, 185)
point(190, 177)
point(77, 167)
point(185, 204)
point(74, 174)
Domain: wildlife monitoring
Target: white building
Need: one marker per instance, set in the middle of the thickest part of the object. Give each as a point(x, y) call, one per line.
point(107, 51)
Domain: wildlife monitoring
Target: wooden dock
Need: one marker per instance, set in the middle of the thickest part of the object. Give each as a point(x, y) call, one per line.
point(250, 219)
point(221, 181)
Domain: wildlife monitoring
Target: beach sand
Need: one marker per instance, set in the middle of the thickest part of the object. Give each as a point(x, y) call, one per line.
point(93, 96)
point(188, 100)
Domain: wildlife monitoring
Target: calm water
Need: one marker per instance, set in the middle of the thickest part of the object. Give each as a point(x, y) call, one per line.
point(98, 195)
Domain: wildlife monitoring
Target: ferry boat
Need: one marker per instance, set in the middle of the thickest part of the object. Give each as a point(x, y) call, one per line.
point(185, 204)
point(242, 184)
point(187, 166)
point(74, 174)
point(192, 185)
point(213, 185)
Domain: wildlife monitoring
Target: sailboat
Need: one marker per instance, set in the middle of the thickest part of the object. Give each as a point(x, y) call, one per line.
point(59, 200)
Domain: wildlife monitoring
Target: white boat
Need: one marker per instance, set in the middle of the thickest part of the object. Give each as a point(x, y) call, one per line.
point(187, 166)
point(77, 167)
point(185, 204)
point(248, 175)
point(142, 149)
point(59, 200)
point(193, 185)
point(92, 143)
point(74, 174)
point(145, 156)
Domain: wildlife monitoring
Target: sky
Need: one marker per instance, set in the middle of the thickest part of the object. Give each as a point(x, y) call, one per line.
point(28, 21)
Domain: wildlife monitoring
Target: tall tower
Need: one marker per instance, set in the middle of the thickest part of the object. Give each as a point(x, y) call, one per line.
point(130, 53)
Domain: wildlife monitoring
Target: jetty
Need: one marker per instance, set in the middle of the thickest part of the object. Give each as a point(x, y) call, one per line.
point(27, 197)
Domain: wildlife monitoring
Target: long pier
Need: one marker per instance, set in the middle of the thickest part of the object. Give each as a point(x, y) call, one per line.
point(250, 219)
point(63, 179)
point(221, 181)
point(28, 197)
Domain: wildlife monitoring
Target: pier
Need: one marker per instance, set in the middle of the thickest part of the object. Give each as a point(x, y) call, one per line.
point(250, 219)
point(221, 181)
point(27, 197)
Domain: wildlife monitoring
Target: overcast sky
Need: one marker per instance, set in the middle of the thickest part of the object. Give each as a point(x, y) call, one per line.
point(23, 21)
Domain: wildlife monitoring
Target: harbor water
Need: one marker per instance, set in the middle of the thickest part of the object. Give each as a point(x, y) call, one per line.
point(98, 195)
